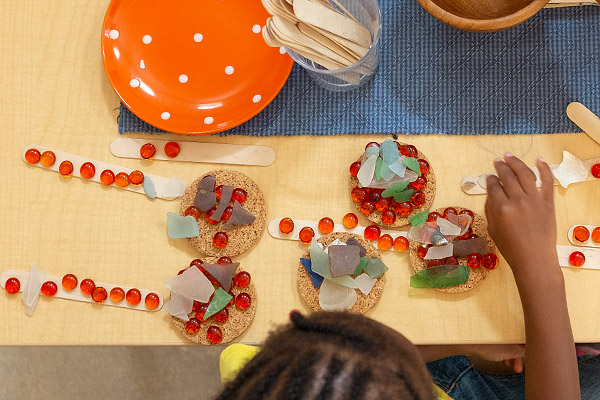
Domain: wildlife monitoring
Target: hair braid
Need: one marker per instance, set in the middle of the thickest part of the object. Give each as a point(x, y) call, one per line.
point(301, 376)
point(334, 368)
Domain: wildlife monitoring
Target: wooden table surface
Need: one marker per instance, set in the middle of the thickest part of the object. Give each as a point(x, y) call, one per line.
point(54, 93)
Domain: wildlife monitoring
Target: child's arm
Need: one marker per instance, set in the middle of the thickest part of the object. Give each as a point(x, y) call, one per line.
point(522, 223)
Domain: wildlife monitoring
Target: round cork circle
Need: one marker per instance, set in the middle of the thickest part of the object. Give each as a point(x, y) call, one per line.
point(310, 294)
point(476, 275)
point(236, 323)
point(428, 190)
point(241, 238)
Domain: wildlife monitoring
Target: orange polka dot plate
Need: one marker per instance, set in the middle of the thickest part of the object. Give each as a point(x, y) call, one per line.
point(192, 67)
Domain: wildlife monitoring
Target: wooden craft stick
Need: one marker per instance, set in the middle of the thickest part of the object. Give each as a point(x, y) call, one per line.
point(585, 119)
point(345, 11)
point(325, 41)
point(299, 224)
point(592, 257)
point(218, 153)
point(570, 3)
point(587, 243)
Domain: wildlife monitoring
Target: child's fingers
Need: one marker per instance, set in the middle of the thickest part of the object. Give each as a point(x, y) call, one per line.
point(547, 179)
point(517, 365)
point(510, 183)
point(523, 173)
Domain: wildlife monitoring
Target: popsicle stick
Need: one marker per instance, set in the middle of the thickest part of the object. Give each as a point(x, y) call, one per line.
point(218, 153)
point(587, 243)
point(77, 295)
point(570, 3)
point(325, 41)
point(592, 257)
point(274, 231)
point(166, 188)
point(585, 119)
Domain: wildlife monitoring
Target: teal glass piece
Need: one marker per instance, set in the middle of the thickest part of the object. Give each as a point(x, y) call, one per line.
point(371, 151)
point(220, 299)
point(389, 151)
point(375, 267)
point(441, 276)
point(179, 227)
point(149, 188)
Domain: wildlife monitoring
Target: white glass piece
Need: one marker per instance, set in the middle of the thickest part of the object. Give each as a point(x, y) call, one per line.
point(570, 170)
point(365, 283)
point(334, 297)
point(439, 252)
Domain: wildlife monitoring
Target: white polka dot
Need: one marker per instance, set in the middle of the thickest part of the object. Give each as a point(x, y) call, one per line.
point(256, 98)
point(256, 28)
point(183, 78)
point(113, 34)
point(198, 37)
point(147, 39)
point(229, 70)
point(282, 50)
point(165, 115)
point(134, 82)
point(142, 64)
point(209, 120)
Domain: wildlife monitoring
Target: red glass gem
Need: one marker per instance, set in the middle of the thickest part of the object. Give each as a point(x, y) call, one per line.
point(136, 177)
point(434, 263)
point(388, 217)
point(214, 334)
point(242, 279)
point(433, 216)
point(218, 191)
point(181, 271)
point(581, 233)
point(371, 144)
point(419, 183)
point(107, 177)
point(151, 301)
point(372, 232)
point(596, 235)
point(69, 282)
point(122, 179)
point(474, 260)
point(193, 211)
point(227, 213)
point(595, 170)
point(232, 301)
point(473, 236)
point(466, 235)
point(117, 295)
point(200, 312)
point(195, 305)
point(209, 214)
point(404, 209)
point(577, 259)
point(450, 261)
point(423, 166)
point(469, 213)
point(401, 243)
point(224, 260)
point(449, 210)
point(326, 225)
point(422, 250)
point(286, 226)
point(221, 316)
point(87, 170)
point(239, 195)
point(418, 199)
point(48, 158)
point(196, 262)
point(354, 168)
point(383, 204)
point(243, 301)
point(403, 149)
point(49, 289)
point(87, 286)
point(359, 194)
point(192, 326)
point(220, 239)
point(490, 261)
point(172, 149)
point(350, 220)
point(385, 242)
point(147, 151)
point(375, 195)
point(65, 168)
point(306, 234)
point(412, 151)
point(12, 285)
point(367, 208)
point(99, 295)
point(32, 156)
point(133, 297)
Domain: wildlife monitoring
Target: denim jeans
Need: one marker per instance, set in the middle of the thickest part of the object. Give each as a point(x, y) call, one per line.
point(457, 377)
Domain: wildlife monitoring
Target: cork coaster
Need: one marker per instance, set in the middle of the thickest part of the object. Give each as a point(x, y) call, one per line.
point(236, 323)
point(428, 190)
point(311, 295)
point(477, 275)
point(241, 238)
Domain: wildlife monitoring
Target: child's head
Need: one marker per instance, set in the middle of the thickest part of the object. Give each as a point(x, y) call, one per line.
point(333, 355)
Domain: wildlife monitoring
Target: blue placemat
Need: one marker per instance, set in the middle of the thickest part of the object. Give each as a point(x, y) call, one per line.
point(435, 79)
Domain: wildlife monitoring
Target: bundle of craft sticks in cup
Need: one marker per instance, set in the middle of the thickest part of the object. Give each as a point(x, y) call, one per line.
point(336, 43)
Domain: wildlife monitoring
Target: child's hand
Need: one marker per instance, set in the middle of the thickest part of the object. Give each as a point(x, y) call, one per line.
point(521, 218)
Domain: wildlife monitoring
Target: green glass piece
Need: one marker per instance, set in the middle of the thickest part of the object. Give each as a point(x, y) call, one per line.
point(404, 195)
point(419, 218)
point(440, 276)
point(412, 164)
point(378, 165)
point(389, 151)
point(220, 299)
point(371, 151)
point(361, 266)
point(319, 260)
point(394, 188)
point(375, 267)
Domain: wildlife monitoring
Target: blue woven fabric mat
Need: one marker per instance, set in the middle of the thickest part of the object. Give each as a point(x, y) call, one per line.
point(435, 79)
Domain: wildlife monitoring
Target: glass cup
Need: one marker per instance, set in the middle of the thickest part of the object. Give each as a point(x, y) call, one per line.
point(361, 72)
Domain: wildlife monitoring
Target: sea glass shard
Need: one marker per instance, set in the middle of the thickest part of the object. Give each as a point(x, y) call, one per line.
point(421, 233)
point(409, 176)
point(179, 306)
point(222, 273)
point(316, 279)
point(437, 239)
point(179, 227)
point(394, 189)
point(447, 227)
point(204, 200)
point(192, 283)
point(319, 259)
point(333, 297)
point(375, 267)
point(404, 195)
point(365, 283)
point(462, 220)
point(372, 151)
point(398, 167)
point(31, 291)
point(367, 170)
point(361, 266)
point(173, 188)
point(378, 165)
point(220, 299)
point(439, 252)
point(343, 260)
point(149, 188)
point(208, 183)
point(386, 173)
point(226, 193)
point(440, 276)
point(419, 218)
point(353, 242)
point(412, 164)
point(570, 170)
point(239, 216)
point(389, 151)
point(463, 248)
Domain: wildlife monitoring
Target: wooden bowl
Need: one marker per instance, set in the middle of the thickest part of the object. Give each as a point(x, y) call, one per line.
point(482, 15)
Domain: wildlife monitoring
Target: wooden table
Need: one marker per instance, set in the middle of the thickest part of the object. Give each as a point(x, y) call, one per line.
point(54, 92)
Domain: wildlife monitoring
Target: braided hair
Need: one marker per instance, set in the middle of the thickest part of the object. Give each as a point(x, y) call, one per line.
point(333, 355)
